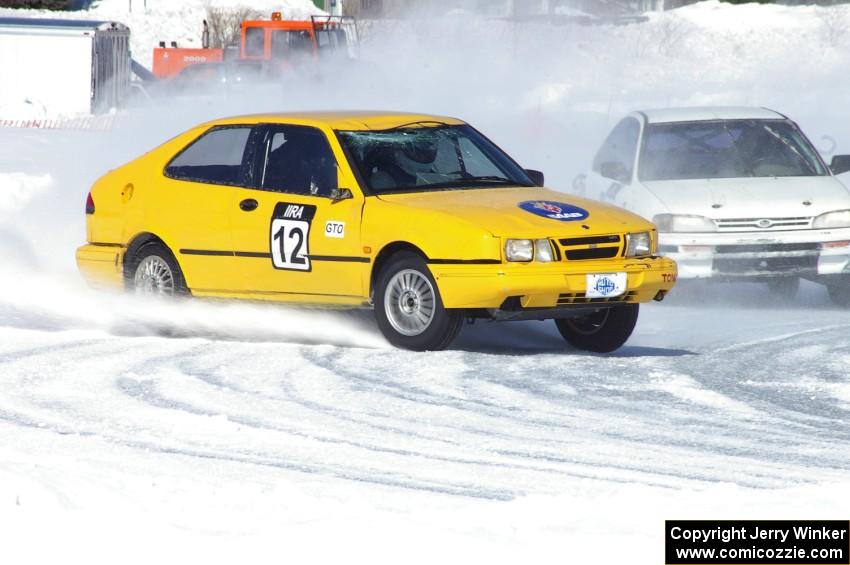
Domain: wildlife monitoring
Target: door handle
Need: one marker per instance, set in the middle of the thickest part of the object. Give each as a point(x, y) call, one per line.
point(249, 205)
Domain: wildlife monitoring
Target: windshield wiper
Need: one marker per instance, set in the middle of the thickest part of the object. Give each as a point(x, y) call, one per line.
point(466, 177)
point(489, 178)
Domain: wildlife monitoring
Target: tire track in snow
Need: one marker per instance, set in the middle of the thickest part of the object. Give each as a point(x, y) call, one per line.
point(490, 426)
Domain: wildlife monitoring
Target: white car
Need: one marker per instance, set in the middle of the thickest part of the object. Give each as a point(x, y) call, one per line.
point(736, 193)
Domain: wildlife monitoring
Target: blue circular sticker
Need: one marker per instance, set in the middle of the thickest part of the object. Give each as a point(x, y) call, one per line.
point(555, 210)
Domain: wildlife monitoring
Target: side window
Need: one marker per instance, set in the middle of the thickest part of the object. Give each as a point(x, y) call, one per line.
point(216, 157)
point(298, 160)
point(290, 43)
point(331, 38)
point(254, 42)
point(280, 44)
point(616, 157)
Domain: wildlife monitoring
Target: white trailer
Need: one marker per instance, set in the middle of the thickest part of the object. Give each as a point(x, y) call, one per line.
point(68, 67)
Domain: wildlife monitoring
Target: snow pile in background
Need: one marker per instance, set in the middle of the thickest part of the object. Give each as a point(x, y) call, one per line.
point(16, 189)
point(168, 20)
point(23, 110)
point(162, 20)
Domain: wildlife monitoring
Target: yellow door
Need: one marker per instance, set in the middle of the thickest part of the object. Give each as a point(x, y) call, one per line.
point(294, 240)
point(194, 205)
point(197, 216)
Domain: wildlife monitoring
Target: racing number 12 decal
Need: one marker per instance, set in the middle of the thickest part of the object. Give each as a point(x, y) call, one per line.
point(290, 236)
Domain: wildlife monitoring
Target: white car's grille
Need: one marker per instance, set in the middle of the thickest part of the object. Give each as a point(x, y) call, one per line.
point(764, 224)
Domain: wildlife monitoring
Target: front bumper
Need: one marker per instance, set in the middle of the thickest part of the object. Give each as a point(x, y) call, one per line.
point(803, 253)
point(549, 285)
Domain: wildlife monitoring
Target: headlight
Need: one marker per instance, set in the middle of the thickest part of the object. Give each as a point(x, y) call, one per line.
point(543, 251)
point(639, 244)
point(519, 250)
point(839, 219)
point(688, 224)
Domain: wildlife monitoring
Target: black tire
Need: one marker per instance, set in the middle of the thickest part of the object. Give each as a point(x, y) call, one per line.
point(839, 291)
point(601, 332)
point(444, 324)
point(785, 288)
point(155, 251)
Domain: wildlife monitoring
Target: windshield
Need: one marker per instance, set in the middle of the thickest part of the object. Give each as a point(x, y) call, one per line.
point(727, 149)
point(422, 157)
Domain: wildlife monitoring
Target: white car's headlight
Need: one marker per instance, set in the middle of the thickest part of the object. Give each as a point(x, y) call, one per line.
point(839, 219)
point(543, 251)
point(639, 244)
point(520, 250)
point(679, 223)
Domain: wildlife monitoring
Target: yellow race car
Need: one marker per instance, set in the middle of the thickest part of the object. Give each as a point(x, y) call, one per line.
point(420, 217)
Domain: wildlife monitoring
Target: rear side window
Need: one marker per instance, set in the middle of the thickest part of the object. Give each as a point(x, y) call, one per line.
point(216, 157)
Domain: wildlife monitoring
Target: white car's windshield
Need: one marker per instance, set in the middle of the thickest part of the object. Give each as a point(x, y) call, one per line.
point(421, 157)
point(727, 149)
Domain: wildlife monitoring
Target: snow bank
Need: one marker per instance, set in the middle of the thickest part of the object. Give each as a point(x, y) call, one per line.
point(161, 20)
point(167, 20)
point(16, 189)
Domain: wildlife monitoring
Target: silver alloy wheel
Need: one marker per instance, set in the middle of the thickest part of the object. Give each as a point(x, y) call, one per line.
point(410, 302)
point(591, 324)
point(154, 277)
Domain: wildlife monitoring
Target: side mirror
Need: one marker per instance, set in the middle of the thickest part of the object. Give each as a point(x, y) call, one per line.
point(340, 194)
point(536, 177)
point(840, 164)
point(615, 170)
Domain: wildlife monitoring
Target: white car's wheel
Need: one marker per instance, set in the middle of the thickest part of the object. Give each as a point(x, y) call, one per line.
point(839, 291)
point(785, 288)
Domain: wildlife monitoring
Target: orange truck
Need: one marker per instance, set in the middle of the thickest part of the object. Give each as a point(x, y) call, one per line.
point(275, 39)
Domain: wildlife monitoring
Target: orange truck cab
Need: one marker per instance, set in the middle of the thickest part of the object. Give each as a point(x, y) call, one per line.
point(276, 39)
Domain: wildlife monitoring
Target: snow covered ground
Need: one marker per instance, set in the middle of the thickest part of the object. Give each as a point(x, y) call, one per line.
point(210, 432)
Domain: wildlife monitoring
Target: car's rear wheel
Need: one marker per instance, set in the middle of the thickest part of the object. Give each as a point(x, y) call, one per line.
point(409, 309)
point(153, 271)
point(785, 288)
point(603, 331)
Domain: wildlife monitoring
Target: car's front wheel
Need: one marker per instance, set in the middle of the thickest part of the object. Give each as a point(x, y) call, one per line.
point(785, 288)
point(603, 331)
point(153, 271)
point(408, 307)
point(839, 291)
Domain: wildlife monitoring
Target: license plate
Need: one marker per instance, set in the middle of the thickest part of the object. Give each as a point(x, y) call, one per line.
point(606, 285)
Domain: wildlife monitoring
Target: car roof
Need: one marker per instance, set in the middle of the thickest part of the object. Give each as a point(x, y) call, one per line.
point(708, 113)
point(343, 120)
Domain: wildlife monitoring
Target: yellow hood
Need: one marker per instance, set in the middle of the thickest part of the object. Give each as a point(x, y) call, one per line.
point(498, 211)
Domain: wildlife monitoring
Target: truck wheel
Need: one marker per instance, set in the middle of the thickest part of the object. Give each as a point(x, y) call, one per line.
point(409, 309)
point(153, 271)
point(839, 291)
point(601, 332)
point(785, 288)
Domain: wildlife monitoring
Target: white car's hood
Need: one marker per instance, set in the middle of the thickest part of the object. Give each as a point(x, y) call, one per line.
point(788, 197)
